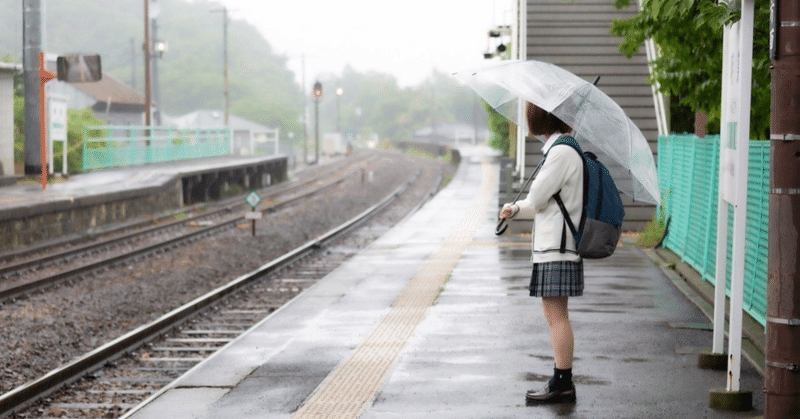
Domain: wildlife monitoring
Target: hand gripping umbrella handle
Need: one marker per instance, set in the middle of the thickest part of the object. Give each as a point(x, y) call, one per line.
point(502, 225)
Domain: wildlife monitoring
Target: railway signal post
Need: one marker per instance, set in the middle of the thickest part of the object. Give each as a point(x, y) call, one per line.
point(253, 200)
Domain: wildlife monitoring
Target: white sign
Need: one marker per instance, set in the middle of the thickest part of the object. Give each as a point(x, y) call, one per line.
point(57, 119)
point(253, 215)
point(732, 111)
point(737, 63)
point(253, 199)
point(56, 128)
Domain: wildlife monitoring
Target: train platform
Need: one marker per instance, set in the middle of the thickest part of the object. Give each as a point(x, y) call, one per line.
point(433, 320)
point(115, 181)
point(89, 202)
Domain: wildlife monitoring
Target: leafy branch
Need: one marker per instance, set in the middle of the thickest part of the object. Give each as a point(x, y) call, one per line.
point(689, 34)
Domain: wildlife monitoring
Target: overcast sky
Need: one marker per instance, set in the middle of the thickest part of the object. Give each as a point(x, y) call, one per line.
point(407, 38)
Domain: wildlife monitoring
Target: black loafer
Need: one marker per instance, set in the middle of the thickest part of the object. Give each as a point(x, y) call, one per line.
point(545, 395)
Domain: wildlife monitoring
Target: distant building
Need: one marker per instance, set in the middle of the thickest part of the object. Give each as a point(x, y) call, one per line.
point(452, 133)
point(113, 101)
point(7, 72)
point(248, 137)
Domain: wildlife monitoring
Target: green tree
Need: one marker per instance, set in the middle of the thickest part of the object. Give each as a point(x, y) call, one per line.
point(19, 128)
point(688, 34)
point(499, 127)
point(374, 103)
point(262, 88)
point(76, 121)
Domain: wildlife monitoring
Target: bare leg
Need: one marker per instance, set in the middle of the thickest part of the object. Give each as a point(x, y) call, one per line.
point(557, 315)
point(560, 388)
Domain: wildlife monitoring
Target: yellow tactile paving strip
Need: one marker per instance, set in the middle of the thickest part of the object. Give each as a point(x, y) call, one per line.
point(348, 391)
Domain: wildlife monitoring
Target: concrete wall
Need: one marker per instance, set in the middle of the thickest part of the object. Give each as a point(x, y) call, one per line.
point(28, 225)
point(6, 121)
point(39, 222)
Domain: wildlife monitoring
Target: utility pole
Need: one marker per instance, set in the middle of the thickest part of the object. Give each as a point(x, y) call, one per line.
point(225, 53)
point(305, 115)
point(782, 376)
point(133, 63)
point(32, 46)
point(317, 94)
point(224, 11)
point(146, 48)
point(156, 86)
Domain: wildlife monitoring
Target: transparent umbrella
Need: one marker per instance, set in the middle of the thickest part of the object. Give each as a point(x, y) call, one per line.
point(600, 125)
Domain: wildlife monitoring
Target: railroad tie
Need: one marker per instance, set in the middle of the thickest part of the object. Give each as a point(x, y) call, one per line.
point(348, 391)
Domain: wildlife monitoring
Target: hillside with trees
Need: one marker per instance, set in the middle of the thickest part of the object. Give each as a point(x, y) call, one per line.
point(262, 88)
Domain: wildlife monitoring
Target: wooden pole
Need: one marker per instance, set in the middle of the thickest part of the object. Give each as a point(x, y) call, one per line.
point(782, 375)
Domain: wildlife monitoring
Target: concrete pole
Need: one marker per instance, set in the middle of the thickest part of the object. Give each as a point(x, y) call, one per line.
point(133, 63)
point(156, 85)
point(305, 114)
point(146, 48)
point(225, 54)
point(316, 132)
point(32, 46)
point(522, 50)
point(782, 376)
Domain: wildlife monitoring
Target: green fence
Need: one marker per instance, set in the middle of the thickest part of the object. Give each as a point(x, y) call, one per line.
point(114, 146)
point(688, 174)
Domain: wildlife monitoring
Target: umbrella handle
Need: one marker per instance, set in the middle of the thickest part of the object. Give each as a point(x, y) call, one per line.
point(501, 227)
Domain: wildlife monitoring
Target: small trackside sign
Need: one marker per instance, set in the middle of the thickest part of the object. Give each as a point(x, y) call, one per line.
point(253, 199)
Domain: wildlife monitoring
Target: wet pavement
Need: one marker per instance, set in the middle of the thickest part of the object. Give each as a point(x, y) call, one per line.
point(433, 320)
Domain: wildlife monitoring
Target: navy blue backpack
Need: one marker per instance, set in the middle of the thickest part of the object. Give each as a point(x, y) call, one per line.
point(600, 225)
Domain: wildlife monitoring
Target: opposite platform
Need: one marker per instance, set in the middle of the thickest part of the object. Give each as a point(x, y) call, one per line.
point(84, 203)
point(117, 180)
point(433, 321)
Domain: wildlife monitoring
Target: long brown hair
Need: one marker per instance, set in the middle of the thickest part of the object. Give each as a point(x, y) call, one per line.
point(541, 122)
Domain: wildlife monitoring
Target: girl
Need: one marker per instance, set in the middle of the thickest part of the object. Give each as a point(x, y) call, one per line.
point(557, 275)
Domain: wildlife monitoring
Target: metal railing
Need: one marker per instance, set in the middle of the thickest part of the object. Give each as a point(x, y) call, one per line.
point(115, 146)
point(688, 173)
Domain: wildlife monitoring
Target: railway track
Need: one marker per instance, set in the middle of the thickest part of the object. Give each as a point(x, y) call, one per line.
point(133, 245)
point(21, 260)
point(120, 374)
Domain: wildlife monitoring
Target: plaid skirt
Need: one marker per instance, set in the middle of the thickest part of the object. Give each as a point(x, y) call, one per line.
point(557, 279)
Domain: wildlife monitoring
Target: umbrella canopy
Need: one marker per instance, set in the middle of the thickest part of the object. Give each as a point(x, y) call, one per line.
point(600, 125)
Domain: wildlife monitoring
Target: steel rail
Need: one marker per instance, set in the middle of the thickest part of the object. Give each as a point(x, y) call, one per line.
point(30, 392)
point(58, 278)
point(228, 205)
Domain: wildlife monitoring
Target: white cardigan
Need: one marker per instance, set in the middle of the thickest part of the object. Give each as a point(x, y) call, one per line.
point(562, 171)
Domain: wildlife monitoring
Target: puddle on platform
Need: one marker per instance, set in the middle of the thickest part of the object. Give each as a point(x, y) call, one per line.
point(624, 287)
point(624, 360)
point(635, 360)
point(587, 380)
point(691, 325)
point(577, 379)
point(516, 278)
point(531, 377)
point(507, 253)
point(589, 310)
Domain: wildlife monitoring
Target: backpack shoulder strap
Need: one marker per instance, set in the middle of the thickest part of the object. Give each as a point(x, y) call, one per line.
point(567, 221)
point(570, 141)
